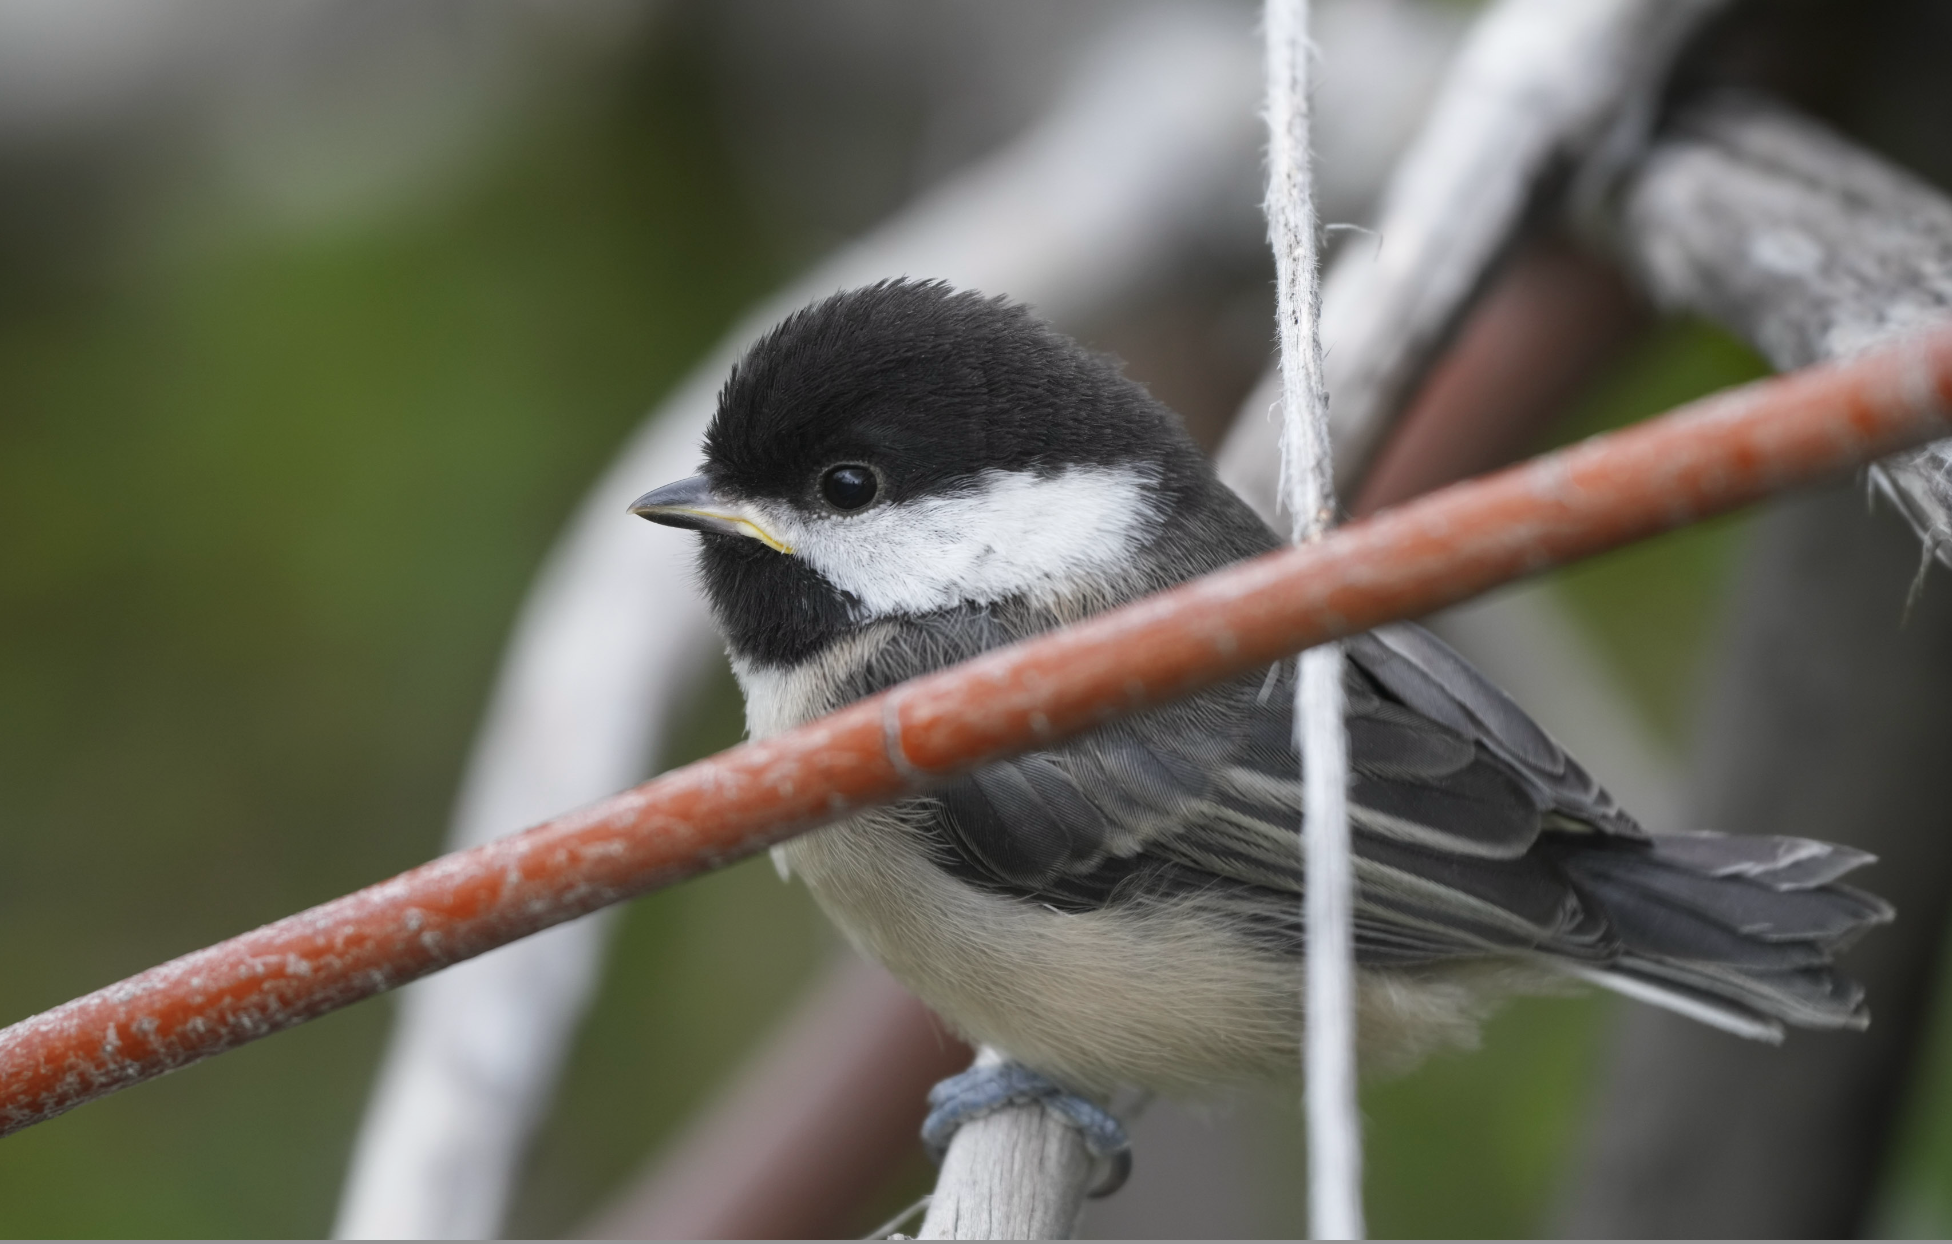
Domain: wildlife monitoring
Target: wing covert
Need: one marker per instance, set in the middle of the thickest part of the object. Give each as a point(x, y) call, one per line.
point(1452, 788)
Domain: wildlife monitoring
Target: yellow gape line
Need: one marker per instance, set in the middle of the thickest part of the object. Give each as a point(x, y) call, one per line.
point(746, 527)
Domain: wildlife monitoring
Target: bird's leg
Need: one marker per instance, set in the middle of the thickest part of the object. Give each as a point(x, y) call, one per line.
point(995, 1082)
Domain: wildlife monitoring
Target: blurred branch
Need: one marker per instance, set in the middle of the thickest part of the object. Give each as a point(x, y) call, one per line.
point(1552, 318)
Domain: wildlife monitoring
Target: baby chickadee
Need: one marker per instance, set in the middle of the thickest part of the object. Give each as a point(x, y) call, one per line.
point(903, 476)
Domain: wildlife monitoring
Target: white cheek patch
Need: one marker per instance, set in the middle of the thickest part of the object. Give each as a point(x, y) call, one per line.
point(1011, 533)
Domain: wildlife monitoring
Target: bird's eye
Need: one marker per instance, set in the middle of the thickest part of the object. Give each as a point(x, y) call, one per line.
point(848, 487)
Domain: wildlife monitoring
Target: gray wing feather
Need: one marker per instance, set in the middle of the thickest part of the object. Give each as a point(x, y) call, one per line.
point(1430, 677)
point(1781, 863)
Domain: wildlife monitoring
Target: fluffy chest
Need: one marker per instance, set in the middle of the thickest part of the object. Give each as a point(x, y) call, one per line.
point(1166, 996)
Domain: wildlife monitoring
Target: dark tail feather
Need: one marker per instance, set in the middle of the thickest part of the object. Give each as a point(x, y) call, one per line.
point(1735, 931)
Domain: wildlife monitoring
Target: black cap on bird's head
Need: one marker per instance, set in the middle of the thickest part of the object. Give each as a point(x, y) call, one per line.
point(932, 384)
point(905, 448)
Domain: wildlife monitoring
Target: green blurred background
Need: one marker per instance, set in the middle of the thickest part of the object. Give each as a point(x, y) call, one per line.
point(270, 494)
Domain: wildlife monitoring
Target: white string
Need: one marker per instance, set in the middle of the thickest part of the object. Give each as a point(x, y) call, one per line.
point(1307, 476)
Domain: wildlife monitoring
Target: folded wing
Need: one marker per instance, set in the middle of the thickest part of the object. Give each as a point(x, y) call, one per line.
point(1476, 836)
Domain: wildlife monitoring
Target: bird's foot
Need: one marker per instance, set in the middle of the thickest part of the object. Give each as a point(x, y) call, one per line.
point(990, 1086)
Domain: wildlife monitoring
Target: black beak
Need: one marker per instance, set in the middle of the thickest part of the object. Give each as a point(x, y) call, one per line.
point(691, 504)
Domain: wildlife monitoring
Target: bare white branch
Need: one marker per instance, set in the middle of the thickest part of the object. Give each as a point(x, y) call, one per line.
point(1018, 1174)
point(1806, 245)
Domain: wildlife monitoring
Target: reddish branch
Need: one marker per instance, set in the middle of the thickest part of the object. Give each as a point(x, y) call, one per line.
point(1704, 459)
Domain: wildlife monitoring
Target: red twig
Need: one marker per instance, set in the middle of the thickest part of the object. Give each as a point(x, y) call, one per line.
point(1704, 459)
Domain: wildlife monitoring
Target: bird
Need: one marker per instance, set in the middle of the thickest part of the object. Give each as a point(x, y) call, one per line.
point(905, 475)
